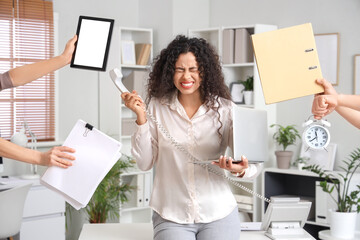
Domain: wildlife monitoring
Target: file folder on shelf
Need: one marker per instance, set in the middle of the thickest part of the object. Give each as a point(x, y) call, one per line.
point(96, 153)
point(287, 62)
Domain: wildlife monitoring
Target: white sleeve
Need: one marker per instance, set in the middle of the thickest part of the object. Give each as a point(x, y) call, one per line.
point(253, 170)
point(144, 147)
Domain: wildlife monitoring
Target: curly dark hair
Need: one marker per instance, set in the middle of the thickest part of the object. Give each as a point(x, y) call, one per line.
point(212, 87)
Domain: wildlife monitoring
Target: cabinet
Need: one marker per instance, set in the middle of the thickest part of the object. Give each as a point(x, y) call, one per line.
point(253, 212)
point(44, 212)
point(137, 73)
point(234, 72)
point(134, 77)
point(136, 209)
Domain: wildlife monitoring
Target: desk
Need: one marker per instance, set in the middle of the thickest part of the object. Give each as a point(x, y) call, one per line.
point(44, 211)
point(325, 235)
point(138, 231)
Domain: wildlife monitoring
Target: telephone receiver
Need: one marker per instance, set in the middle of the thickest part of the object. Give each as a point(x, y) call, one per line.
point(116, 76)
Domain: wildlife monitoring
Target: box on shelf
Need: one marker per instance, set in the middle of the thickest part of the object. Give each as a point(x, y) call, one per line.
point(243, 47)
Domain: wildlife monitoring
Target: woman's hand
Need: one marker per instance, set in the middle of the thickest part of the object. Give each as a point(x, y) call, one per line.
point(69, 49)
point(57, 156)
point(134, 102)
point(324, 104)
point(227, 164)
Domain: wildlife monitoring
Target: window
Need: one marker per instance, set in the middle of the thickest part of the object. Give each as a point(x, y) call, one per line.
point(27, 36)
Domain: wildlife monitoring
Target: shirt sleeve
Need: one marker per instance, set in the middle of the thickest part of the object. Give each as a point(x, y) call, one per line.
point(145, 145)
point(253, 171)
point(5, 81)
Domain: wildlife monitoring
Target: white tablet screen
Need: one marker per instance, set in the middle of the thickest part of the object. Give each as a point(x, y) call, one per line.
point(93, 43)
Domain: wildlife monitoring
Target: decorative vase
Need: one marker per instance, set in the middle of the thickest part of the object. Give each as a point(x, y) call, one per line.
point(283, 159)
point(342, 224)
point(300, 166)
point(248, 97)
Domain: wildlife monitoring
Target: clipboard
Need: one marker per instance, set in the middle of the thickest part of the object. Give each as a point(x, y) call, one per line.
point(287, 63)
point(96, 153)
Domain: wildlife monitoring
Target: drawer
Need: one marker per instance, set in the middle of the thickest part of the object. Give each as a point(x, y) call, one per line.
point(42, 201)
point(49, 228)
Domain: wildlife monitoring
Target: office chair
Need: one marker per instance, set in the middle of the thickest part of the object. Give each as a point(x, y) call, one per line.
point(11, 210)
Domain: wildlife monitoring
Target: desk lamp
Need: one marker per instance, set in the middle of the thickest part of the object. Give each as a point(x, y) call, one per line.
point(20, 138)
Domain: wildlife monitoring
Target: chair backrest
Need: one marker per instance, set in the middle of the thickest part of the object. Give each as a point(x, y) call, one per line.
point(11, 209)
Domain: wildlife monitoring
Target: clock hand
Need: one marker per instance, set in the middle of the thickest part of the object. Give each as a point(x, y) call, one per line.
point(313, 139)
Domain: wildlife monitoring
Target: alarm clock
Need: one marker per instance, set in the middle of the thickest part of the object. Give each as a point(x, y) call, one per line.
point(316, 135)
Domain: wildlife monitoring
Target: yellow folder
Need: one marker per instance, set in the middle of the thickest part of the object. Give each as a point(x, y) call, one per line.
point(287, 62)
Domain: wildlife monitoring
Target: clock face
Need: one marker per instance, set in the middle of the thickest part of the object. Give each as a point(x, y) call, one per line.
point(316, 137)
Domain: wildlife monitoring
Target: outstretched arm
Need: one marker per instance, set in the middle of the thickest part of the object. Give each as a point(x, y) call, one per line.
point(27, 73)
point(57, 156)
point(348, 106)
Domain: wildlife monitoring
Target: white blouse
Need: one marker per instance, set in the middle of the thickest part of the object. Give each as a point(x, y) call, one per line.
point(184, 192)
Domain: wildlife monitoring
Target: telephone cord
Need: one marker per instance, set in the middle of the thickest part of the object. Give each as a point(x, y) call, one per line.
point(194, 160)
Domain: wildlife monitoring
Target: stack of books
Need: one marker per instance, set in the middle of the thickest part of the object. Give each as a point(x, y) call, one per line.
point(142, 52)
point(244, 202)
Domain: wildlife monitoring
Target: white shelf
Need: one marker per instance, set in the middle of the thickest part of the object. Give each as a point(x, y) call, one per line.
point(251, 64)
point(130, 211)
point(134, 171)
point(135, 66)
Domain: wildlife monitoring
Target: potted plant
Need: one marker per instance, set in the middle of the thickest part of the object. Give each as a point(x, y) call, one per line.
point(248, 90)
point(300, 162)
point(342, 219)
point(285, 136)
point(106, 199)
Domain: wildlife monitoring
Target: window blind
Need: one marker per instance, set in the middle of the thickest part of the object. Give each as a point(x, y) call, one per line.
point(27, 36)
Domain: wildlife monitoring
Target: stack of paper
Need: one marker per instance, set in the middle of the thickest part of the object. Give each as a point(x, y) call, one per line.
point(96, 154)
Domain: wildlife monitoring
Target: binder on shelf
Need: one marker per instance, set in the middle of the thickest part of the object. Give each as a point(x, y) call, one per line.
point(140, 190)
point(228, 46)
point(96, 153)
point(147, 188)
point(243, 48)
point(287, 62)
point(142, 51)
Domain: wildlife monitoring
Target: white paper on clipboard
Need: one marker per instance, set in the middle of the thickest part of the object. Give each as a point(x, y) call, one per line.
point(96, 153)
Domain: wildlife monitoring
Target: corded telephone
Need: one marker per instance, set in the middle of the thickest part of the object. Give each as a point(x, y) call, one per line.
point(116, 77)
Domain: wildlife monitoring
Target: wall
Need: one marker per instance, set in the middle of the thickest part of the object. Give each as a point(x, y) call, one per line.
point(326, 16)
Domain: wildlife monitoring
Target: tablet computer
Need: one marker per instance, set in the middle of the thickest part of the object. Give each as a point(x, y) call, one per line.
point(92, 47)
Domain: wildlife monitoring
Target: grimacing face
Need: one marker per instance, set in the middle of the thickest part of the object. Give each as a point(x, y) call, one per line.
point(187, 77)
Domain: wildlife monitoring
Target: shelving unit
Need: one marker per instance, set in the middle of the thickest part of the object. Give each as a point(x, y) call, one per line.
point(240, 71)
point(254, 214)
point(137, 209)
point(130, 211)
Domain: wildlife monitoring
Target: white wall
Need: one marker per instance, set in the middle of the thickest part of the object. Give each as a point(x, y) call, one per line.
point(326, 16)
